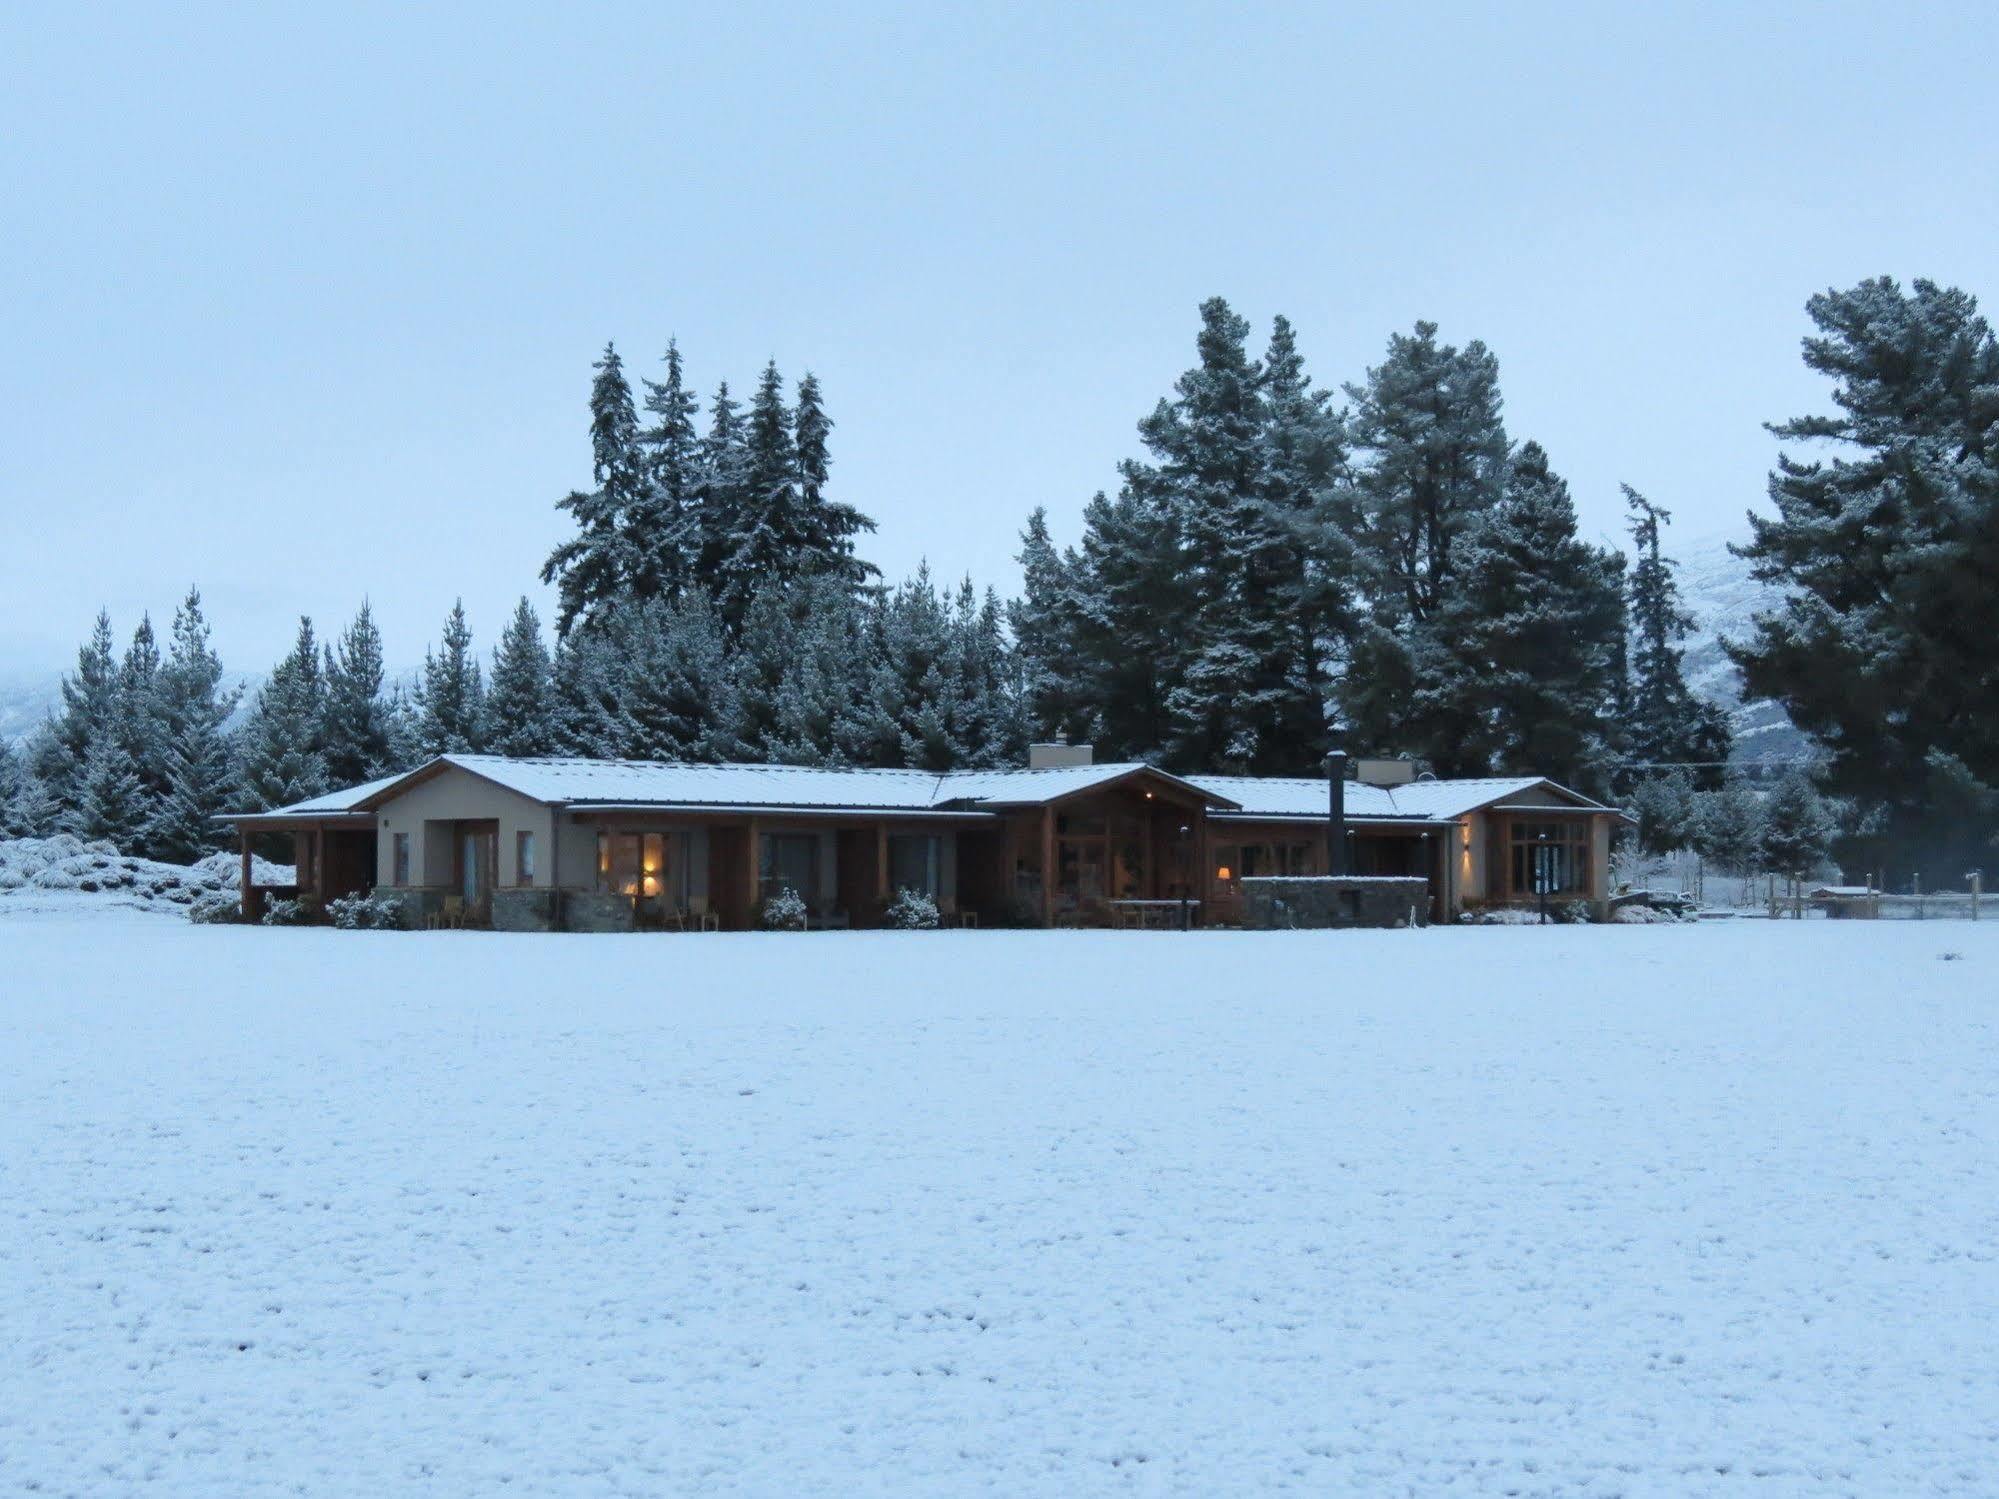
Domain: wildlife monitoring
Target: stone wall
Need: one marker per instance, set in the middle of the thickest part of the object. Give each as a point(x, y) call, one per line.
point(524, 910)
point(417, 904)
point(1270, 901)
point(596, 911)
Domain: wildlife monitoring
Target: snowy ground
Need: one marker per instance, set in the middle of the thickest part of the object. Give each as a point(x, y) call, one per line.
point(1569, 1211)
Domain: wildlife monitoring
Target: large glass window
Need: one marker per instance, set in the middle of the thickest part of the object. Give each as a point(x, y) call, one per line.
point(523, 858)
point(914, 861)
point(789, 861)
point(632, 863)
point(1549, 858)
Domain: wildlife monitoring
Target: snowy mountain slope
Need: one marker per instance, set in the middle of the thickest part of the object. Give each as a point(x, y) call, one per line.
point(1724, 598)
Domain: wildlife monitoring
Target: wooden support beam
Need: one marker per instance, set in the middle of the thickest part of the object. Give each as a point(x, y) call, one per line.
point(881, 864)
point(1048, 866)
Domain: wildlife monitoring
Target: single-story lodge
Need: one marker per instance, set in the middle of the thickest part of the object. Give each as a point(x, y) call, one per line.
point(555, 844)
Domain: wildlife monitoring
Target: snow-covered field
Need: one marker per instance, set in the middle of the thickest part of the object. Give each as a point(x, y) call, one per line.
point(1565, 1211)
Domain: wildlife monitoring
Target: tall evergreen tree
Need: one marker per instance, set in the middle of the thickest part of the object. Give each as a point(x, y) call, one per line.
point(587, 687)
point(768, 543)
point(1665, 724)
point(721, 499)
point(663, 528)
point(279, 753)
point(1799, 825)
point(594, 569)
point(451, 702)
point(142, 727)
point(520, 705)
point(1044, 622)
point(1427, 420)
point(89, 712)
point(111, 803)
point(1517, 667)
point(831, 527)
point(675, 697)
point(199, 776)
point(1886, 552)
point(359, 735)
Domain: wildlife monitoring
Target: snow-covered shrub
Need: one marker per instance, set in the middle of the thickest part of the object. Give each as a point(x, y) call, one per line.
point(911, 911)
point(1499, 916)
point(215, 909)
point(68, 864)
point(785, 911)
point(366, 913)
point(288, 913)
point(1573, 913)
point(1637, 915)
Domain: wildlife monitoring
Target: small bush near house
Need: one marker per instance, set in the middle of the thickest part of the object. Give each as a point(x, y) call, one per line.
point(1573, 913)
point(785, 912)
point(911, 911)
point(215, 910)
point(287, 913)
point(366, 913)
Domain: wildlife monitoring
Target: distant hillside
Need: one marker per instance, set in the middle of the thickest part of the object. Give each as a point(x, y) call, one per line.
point(1723, 598)
point(29, 697)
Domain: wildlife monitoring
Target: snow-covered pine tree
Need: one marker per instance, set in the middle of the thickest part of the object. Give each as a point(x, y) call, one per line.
point(676, 700)
point(1427, 424)
point(588, 683)
point(1730, 829)
point(451, 700)
point(1883, 649)
point(13, 775)
point(663, 528)
point(1665, 724)
point(359, 734)
point(143, 728)
point(989, 722)
point(594, 569)
point(200, 779)
point(278, 749)
point(831, 526)
point(1799, 826)
point(520, 704)
point(768, 544)
point(1517, 665)
point(721, 495)
point(1668, 811)
point(31, 809)
point(1044, 625)
point(111, 802)
point(89, 711)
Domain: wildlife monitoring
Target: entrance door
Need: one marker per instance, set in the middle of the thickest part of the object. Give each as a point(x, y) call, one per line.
point(478, 850)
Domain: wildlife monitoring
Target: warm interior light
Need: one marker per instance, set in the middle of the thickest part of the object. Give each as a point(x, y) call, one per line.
point(652, 885)
point(1222, 873)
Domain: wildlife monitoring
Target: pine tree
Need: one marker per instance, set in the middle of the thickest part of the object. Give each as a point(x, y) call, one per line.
point(89, 712)
point(1730, 830)
point(1044, 621)
point(1668, 811)
point(675, 701)
point(31, 809)
point(587, 680)
point(721, 496)
point(358, 735)
point(520, 706)
point(200, 781)
point(830, 526)
point(13, 776)
point(1517, 669)
point(594, 569)
point(450, 703)
point(142, 728)
point(1886, 554)
point(663, 528)
point(199, 777)
point(279, 754)
point(1427, 422)
point(1799, 826)
point(767, 546)
point(1665, 724)
point(111, 803)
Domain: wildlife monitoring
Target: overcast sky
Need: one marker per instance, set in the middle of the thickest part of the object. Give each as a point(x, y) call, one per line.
point(304, 310)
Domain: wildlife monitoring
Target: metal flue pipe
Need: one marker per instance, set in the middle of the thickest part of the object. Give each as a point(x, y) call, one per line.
point(1336, 813)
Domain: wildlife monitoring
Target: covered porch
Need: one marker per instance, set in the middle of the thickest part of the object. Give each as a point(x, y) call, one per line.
point(1251, 847)
point(333, 855)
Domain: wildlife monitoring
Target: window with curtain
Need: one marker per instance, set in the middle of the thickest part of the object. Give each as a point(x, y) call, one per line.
point(789, 861)
point(914, 863)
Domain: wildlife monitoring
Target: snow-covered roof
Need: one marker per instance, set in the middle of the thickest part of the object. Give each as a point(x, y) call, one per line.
point(1420, 801)
point(333, 804)
point(611, 784)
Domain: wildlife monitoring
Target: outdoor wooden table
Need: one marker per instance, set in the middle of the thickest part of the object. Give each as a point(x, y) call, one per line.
point(1141, 912)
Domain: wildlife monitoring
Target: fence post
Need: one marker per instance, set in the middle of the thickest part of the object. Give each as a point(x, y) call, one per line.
point(1916, 883)
point(1976, 882)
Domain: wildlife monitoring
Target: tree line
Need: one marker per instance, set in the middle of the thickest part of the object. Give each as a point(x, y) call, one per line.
point(1281, 568)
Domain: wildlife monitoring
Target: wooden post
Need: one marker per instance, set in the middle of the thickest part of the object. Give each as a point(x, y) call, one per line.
point(1976, 885)
point(243, 888)
point(881, 865)
point(753, 862)
point(1048, 866)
